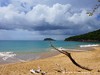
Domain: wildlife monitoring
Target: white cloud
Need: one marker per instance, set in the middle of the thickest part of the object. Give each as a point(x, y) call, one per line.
point(80, 17)
point(58, 19)
point(52, 15)
point(57, 15)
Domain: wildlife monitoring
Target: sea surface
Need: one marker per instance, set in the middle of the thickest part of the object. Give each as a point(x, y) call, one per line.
point(24, 50)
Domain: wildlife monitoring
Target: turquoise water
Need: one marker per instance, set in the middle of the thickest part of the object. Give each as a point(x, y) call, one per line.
point(19, 51)
point(37, 46)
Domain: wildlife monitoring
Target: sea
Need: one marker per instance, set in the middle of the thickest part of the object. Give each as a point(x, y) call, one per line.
point(12, 51)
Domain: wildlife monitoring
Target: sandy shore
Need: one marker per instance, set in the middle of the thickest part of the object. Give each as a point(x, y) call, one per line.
point(90, 59)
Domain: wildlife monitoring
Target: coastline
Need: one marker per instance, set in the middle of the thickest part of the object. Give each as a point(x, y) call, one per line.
point(26, 57)
point(90, 58)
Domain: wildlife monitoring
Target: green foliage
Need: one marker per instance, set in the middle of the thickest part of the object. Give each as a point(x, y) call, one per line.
point(91, 36)
point(49, 39)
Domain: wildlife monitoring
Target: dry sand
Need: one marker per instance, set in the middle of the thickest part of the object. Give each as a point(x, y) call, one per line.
point(90, 59)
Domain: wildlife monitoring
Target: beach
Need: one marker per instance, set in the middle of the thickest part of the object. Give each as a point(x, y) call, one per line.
point(12, 51)
point(52, 65)
point(49, 37)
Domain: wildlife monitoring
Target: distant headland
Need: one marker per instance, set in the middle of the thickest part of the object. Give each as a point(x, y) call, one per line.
point(88, 37)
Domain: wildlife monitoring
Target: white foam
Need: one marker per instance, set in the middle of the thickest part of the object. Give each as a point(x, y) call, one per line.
point(89, 45)
point(6, 55)
point(60, 48)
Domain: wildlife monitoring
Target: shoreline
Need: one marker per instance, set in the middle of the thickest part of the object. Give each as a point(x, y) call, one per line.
point(32, 57)
point(90, 58)
point(43, 55)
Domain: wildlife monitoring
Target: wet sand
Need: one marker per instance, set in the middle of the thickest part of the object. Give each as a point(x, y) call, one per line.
point(88, 58)
point(25, 56)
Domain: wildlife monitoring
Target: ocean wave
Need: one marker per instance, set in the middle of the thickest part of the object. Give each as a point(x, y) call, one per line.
point(60, 48)
point(89, 45)
point(6, 55)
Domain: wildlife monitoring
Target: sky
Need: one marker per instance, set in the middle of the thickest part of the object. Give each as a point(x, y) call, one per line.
point(39, 19)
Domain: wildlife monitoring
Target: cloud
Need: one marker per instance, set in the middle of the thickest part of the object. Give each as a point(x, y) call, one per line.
point(4, 2)
point(40, 15)
point(20, 34)
point(29, 3)
point(58, 19)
